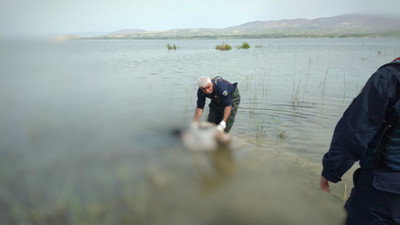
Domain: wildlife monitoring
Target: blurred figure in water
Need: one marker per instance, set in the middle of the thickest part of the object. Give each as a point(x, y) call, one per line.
point(369, 131)
point(225, 99)
point(204, 137)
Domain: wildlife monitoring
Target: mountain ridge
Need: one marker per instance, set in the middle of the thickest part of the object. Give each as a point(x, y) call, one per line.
point(351, 25)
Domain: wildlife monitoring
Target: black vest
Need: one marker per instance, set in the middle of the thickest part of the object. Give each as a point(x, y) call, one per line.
point(383, 152)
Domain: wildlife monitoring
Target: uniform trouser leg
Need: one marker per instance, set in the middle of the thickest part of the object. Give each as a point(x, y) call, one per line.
point(217, 111)
point(235, 106)
point(367, 205)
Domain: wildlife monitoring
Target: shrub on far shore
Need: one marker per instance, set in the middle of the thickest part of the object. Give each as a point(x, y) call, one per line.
point(223, 46)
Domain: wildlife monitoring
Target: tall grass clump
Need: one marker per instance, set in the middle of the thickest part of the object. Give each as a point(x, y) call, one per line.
point(244, 45)
point(173, 47)
point(223, 47)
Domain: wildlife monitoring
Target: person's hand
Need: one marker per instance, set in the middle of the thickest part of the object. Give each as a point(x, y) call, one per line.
point(324, 184)
point(221, 126)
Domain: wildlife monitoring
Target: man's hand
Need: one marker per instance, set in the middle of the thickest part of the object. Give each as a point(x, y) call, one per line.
point(197, 115)
point(221, 126)
point(324, 184)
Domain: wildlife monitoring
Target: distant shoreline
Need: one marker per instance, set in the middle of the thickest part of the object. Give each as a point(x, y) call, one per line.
point(258, 36)
point(344, 26)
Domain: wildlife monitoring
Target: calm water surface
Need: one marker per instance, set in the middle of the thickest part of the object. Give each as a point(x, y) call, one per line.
point(87, 130)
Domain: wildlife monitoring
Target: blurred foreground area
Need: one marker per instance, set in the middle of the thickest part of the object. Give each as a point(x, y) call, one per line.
point(238, 185)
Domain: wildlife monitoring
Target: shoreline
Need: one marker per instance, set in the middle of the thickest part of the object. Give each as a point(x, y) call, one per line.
point(228, 37)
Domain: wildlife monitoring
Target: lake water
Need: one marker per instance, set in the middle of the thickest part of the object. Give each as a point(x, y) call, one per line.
point(87, 130)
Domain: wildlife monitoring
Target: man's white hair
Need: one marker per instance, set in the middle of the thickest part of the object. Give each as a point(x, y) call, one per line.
point(203, 81)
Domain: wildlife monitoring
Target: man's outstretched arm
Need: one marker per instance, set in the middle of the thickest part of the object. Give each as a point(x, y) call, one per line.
point(197, 115)
point(227, 112)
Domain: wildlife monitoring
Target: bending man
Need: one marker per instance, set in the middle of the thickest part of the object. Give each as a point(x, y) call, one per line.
point(225, 99)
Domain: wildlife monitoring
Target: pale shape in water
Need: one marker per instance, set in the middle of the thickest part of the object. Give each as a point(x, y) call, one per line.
point(204, 137)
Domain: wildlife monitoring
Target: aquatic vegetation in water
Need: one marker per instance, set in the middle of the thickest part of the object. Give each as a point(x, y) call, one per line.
point(252, 105)
point(246, 82)
point(295, 91)
point(324, 83)
point(260, 132)
point(223, 47)
point(173, 47)
point(244, 45)
point(308, 74)
point(280, 128)
point(258, 46)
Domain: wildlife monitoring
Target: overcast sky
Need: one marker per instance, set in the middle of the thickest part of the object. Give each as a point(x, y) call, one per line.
point(56, 17)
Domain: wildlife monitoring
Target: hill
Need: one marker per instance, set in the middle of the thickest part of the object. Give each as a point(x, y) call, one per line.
point(337, 26)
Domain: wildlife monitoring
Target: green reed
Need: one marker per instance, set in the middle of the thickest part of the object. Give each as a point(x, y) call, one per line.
point(172, 47)
point(223, 47)
point(244, 45)
point(295, 91)
point(260, 132)
point(253, 102)
point(280, 128)
point(323, 84)
point(308, 74)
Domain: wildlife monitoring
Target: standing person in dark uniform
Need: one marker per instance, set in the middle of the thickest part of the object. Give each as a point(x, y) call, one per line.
point(225, 99)
point(369, 131)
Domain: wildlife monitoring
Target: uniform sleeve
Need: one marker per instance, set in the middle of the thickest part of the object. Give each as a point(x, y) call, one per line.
point(359, 125)
point(201, 99)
